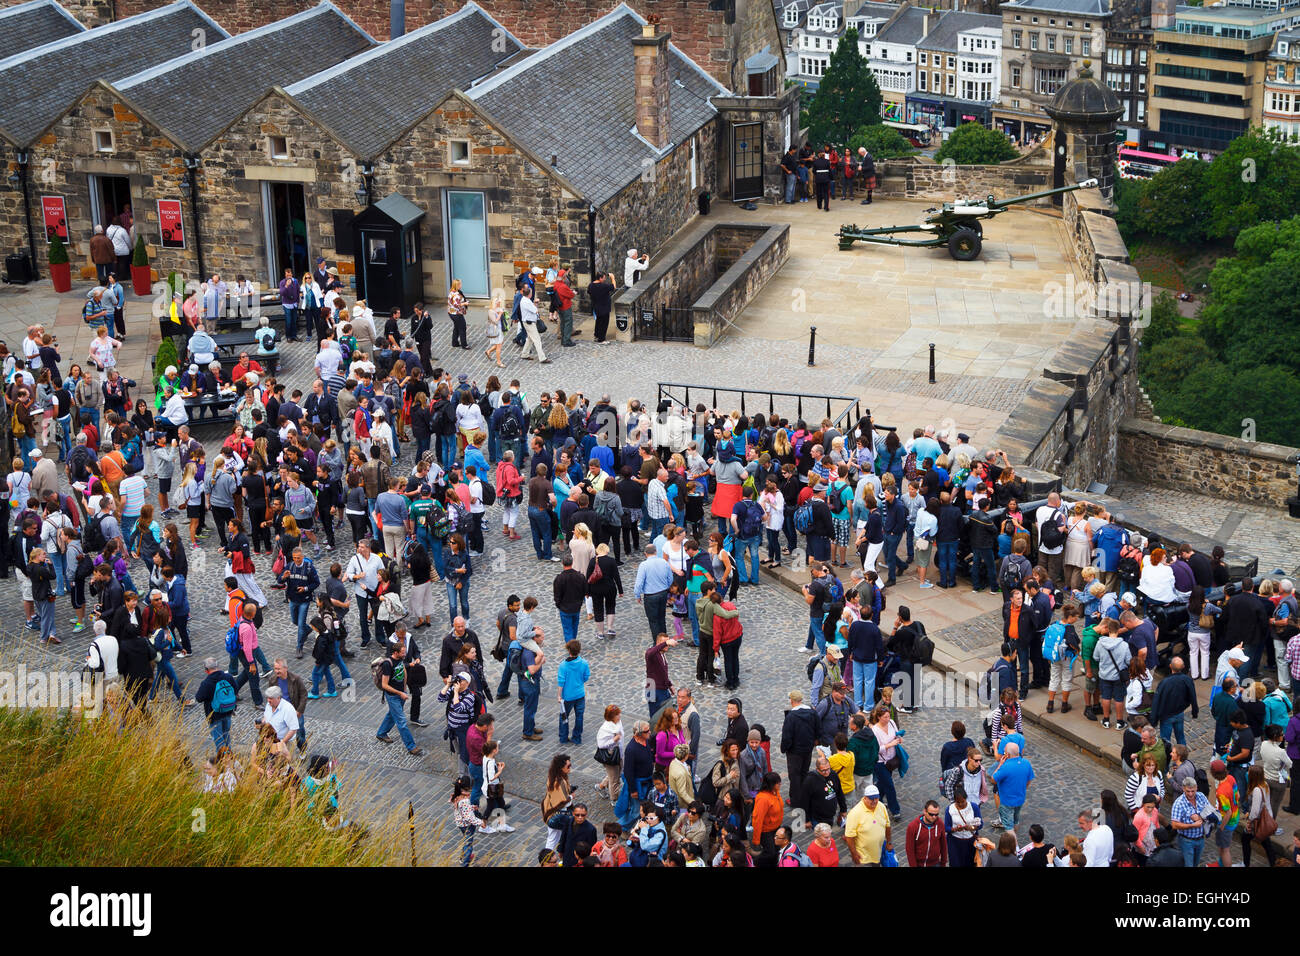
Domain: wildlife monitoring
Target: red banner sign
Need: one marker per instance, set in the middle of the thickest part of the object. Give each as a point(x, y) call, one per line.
point(171, 224)
point(55, 214)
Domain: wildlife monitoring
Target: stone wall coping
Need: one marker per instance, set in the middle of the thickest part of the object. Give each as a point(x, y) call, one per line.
point(1033, 419)
point(1282, 454)
point(1086, 348)
point(688, 239)
point(771, 236)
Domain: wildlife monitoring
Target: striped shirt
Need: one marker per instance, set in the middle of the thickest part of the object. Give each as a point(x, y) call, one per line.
point(132, 491)
point(1183, 810)
point(334, 383)
point(656, 500)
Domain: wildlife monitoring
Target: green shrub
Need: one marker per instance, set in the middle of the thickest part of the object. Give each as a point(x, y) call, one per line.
point(971, 144)
point(58, 252)
point(166, 356)
point(140, 257)
point(882, 142)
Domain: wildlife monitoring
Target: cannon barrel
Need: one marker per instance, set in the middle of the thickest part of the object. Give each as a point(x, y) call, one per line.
point(1003, 203)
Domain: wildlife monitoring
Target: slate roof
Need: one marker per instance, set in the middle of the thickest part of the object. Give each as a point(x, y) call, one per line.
point(38, 85)
point(1087, 8)
point(594, 68)
point(371, 99)
point(906, 29)
point(871, 10)
point(943, 36)
point(197, 95)
point(34, 24)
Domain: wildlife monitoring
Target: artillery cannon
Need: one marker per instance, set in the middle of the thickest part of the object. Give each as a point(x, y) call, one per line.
point(955, 225)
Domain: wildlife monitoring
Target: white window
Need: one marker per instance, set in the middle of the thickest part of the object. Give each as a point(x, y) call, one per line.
point(1281, 47)
point(1128, 82)
point(921, 80)
point(952, 62)
point(1142, 109)
point(1125, 117)
point(278, 147)
point(1033, 41)
point(1015, 77)
point(1281, 72)
point(1051, 43)
point(1128, 56)
point(934, 82)
point(460, 153)
point(103, 141)
point(1051, 22)
point(1142, 57)
point(1015, 39)
point(791, 16)
point(949, 85)
point(909, 56)
point(1085, 47)
point(922, 58)
point(1142, 82)
point(1069, 44)
point(1069, 23)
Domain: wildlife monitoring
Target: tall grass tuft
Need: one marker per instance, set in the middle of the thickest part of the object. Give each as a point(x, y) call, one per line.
point(105, 793)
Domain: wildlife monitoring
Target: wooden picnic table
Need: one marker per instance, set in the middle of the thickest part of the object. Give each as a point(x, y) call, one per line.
point(209, 409)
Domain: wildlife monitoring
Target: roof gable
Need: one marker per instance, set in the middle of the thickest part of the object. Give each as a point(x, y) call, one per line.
point(373, 98)
point(29, 25)
point(196, 95)
point(594, 68)
point(38, 85)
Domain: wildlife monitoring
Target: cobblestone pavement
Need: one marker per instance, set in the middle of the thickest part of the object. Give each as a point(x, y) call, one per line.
point(772, 660)
point(1255, 529)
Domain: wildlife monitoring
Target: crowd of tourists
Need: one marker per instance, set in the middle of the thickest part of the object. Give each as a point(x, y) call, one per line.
point(402, 470)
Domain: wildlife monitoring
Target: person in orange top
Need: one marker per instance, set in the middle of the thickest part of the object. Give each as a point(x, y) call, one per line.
point(112, 469)
point(769, 811)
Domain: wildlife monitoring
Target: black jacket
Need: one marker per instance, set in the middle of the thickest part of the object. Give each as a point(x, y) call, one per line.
point(206, 689)
point(122, 627)
point(821, 519)
point(1174, 695)
point(451, 645)
point(737, 730)
point(569, 588)
point(983, 532)
point(799, 732)
point(1166, 856)
point(1245, 619)
point(822, 796)
point(135, 658)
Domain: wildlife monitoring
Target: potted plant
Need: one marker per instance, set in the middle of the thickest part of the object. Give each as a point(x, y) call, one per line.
point(60, 267)
point(141, 276)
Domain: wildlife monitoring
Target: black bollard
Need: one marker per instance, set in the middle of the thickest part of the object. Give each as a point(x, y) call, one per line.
point(812, 344)
point(931, 363)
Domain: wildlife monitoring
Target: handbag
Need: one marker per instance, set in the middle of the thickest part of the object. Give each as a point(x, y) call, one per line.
point(922, 544)
point(541, 327)
point(560, 819)
point(608, 756)
point(416, 675)
point(596, 574)
point(1265, 824)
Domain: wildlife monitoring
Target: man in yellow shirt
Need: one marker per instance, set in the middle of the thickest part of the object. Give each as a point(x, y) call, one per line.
point(842, 763)
point(867, 829)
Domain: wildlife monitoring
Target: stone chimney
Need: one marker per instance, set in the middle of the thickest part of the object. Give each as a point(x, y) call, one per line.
point(926, 21)
point(652, 84)
point(1162, 14)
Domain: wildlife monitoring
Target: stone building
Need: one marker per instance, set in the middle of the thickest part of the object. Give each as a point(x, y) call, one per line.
point(723, 36)
point(146, 133)
point(1282, 86)
point(961, 54)
point(38, 85)
point(1044, 43)
point(34, 24)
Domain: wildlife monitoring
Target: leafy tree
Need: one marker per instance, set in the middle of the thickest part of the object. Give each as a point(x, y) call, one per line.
point(847, 96)
point(1253, 315)
point(1128, 213)
point(1172, 203)
point(1219, 398)
point(882, 142)
point(1256, 179)
point(1166, 321)
point(974, 145)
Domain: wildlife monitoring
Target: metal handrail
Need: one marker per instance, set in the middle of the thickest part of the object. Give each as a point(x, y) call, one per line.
point(854, 406)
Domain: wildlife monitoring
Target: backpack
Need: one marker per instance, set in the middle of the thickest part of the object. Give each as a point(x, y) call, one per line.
point(793, 850)
point(17, 427)
point(377, 672)
point(223, 697)
point(441, 526)
point(1130, 571)
point(232, 641)
point(706, 792)
point(94, 538)
point(1202, 781)
point(515, 659)
point(1009, 578)
point(910, 471)
point(813, 664)
point(1051, 535)
point(508, 430)
point(489, 494)
point(803, 517)
point(834, 590)
point(751, 520)
point(1054, 642)
point(922, 647)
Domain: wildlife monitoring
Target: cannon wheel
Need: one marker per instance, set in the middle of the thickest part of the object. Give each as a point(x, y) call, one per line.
point(977, 226)
point(964, 244)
